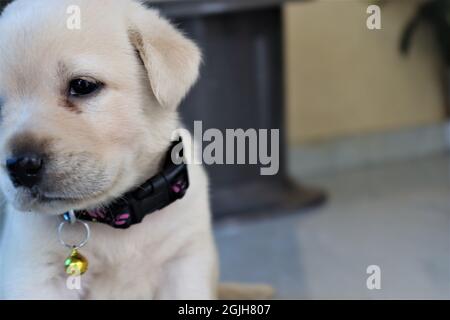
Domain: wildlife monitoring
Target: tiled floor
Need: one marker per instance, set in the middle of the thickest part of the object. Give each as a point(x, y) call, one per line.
point(396, 216)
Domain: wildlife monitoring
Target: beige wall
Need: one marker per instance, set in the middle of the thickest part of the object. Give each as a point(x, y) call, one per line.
point(343, 79)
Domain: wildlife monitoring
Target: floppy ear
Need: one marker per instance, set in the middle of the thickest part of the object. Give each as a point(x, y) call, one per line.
point(172, 61)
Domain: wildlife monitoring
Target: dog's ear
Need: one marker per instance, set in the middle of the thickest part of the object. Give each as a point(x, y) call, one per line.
point(172, 60)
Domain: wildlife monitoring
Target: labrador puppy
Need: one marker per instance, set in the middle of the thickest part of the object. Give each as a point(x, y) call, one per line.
point(89, 91)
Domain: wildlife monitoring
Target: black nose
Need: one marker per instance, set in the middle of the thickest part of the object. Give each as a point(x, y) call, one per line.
point(25, 171)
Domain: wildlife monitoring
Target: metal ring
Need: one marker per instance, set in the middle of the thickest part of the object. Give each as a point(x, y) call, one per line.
point(76, 246)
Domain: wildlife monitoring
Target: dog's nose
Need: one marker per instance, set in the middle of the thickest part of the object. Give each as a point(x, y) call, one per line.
point(25, 171)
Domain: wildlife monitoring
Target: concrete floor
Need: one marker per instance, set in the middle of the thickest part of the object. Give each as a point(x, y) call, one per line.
point(396, 216)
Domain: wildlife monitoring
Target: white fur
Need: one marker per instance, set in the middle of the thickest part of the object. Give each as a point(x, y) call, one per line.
point(125, 131)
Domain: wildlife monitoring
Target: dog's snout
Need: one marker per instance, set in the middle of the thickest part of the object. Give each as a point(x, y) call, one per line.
point(26, 170)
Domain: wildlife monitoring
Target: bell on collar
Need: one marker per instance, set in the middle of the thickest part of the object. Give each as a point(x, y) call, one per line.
point(76, 264)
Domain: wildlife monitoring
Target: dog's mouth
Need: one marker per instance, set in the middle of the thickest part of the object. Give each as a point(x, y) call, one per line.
point(77, 197)
point(49, 199)
point(53, 203)
point(38, 195)
point(63, 192)
point(43, 197)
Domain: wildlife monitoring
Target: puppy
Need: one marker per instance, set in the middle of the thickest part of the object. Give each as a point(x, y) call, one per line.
point(89, 107)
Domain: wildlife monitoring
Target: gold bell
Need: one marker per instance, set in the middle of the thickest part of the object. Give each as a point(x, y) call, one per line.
point(76, 264)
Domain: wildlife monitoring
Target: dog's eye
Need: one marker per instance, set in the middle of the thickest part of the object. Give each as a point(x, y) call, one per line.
point(83, 87)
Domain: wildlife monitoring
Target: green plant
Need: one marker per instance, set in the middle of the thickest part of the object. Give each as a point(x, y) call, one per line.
point(437, 14)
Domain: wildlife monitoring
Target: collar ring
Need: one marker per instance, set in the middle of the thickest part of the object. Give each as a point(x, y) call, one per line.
point(82, 243)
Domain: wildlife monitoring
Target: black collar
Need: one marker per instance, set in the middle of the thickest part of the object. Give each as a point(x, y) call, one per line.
point(158, 192)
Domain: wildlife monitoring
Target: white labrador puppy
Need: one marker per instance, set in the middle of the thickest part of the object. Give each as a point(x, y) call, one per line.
point(88, 111)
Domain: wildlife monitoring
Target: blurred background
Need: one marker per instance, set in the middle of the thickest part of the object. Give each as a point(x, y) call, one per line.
point(365, 136)
point(364, 119)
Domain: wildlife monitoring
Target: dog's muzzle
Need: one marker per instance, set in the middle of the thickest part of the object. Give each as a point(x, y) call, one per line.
point(158, 192)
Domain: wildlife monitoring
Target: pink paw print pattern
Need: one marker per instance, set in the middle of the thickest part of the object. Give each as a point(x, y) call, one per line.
point(122, 219)
point(104, 215)
point(178, 186)
point(97, 214)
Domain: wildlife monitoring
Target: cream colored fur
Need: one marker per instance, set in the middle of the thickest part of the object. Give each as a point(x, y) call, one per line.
point(120, 135)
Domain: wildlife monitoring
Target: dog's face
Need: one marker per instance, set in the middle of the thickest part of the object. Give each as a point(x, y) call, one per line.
point(86, 114)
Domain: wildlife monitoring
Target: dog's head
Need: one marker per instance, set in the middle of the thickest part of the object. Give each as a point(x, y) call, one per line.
point(88, 93)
